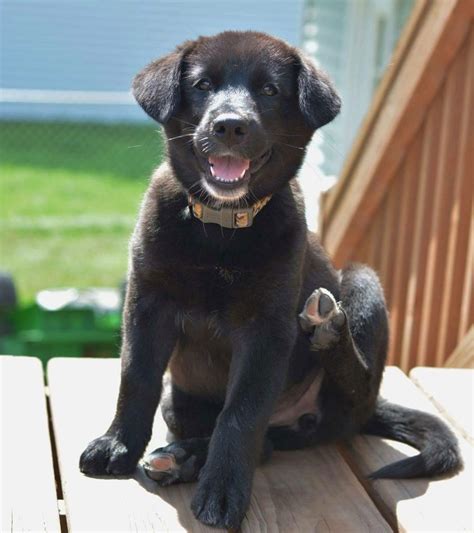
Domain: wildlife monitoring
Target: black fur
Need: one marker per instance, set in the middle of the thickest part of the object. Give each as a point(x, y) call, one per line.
point(439, 449)
point(157, 87)
point(219, 307)
point(319, 102)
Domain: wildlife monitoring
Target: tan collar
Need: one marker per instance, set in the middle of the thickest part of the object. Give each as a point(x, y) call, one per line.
point(227, 217)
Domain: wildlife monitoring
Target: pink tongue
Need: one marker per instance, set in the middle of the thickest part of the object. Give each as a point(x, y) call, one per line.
point(228, 168)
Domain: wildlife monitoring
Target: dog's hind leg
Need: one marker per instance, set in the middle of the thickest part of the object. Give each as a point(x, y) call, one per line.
point(351, 335)
point(181, 461)
point(187, 415)
point(350, 339)
point(191, 419)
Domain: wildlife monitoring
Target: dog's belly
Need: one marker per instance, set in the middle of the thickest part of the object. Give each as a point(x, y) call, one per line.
point(298, 400)
point(200, 372)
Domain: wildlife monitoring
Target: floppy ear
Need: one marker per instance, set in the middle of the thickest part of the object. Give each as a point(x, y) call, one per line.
point(318, 99)
point(157, 87)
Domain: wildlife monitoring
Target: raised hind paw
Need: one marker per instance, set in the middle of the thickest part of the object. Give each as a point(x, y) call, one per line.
point(323, 318)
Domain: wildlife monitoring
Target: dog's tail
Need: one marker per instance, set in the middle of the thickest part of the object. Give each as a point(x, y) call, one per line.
point(438, 447)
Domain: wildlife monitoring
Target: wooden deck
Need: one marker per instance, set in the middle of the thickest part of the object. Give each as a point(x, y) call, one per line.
point(404, 200)
point(323, 489)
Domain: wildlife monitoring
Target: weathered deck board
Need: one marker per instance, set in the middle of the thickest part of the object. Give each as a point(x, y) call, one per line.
point(419, 504)
point(28, 501)
point(452, 391)
point(298, 491)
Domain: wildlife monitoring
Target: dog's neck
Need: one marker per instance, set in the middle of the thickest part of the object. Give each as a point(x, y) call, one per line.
point(227, 217)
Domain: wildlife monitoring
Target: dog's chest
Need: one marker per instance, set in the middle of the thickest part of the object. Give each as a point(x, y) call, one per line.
point(201, 360)
point(201, 325)
point(201, 292)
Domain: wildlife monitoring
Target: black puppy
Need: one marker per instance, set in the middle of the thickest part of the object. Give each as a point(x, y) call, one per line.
point(221, 266)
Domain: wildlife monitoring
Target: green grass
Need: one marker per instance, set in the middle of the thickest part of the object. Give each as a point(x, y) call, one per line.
point(69, 197)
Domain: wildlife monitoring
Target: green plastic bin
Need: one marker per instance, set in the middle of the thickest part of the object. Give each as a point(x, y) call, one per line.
point(81, 327)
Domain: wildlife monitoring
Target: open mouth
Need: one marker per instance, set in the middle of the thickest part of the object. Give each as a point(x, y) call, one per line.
point(228, 170)
point(231, 172)
point(226, 177)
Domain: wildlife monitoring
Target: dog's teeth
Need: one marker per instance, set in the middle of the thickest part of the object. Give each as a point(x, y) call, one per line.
point(230, 180)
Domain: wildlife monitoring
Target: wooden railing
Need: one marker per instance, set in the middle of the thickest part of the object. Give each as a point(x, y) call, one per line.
point(404, 202)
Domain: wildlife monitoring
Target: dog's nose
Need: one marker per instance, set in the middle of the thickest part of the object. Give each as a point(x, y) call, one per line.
point(231, 129)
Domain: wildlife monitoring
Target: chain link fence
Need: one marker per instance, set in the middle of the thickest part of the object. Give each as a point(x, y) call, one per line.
point(76, 151)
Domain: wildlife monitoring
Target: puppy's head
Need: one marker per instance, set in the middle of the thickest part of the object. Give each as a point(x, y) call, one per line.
point(238, 110)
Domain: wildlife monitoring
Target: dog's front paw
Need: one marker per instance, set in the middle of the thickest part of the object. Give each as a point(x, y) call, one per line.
point(324, 318)
point(107, 455)
point(222, 499)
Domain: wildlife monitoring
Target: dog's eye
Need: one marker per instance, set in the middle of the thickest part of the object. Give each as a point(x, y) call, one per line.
point(269, 89)
point(203, 85)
